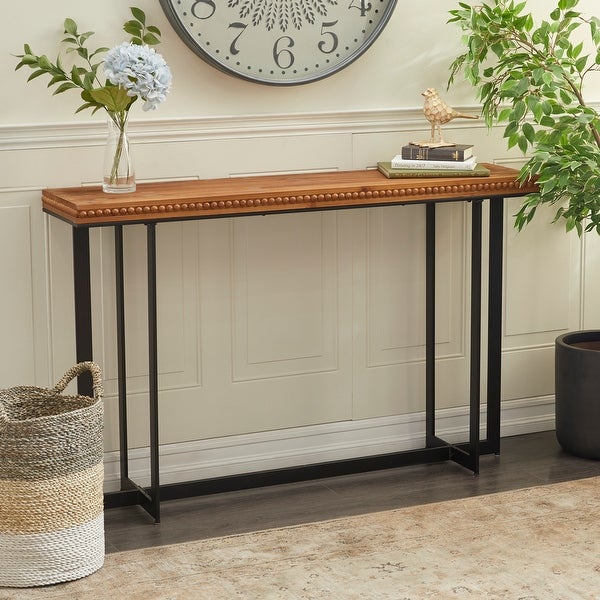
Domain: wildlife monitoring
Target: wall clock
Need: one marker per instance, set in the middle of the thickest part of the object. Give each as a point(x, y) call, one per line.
point(279, 42)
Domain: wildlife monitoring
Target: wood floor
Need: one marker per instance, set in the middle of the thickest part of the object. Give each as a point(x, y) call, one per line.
point(525, 461)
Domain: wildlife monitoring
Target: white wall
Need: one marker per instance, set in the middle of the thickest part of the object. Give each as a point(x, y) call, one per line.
point(283, 339)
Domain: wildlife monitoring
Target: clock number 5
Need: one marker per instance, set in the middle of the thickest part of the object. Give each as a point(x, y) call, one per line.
point(205, 5)
point(283, 57)
point(333, 39)
point(363, 6)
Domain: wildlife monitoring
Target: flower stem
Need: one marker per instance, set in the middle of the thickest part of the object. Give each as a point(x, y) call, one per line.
point(120, 121)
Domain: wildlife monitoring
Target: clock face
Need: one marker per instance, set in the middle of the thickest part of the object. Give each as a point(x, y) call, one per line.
point(279, 42)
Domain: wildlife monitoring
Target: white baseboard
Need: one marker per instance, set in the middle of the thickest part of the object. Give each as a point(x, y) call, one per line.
point(204, 459)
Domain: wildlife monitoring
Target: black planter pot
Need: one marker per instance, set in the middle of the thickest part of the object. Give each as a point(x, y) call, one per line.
point(577, 392)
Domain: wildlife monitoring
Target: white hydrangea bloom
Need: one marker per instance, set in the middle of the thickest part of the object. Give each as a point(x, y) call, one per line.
point(141, 71)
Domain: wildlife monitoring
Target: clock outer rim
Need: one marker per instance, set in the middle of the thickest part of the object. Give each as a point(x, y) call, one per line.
point(187, 38)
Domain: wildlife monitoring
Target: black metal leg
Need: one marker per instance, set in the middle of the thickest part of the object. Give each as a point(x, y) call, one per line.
point(468, 454)
point(147, 498)
point(495, 323)
point(83, 305)
point(121, 360)
point(475, 367)
point(154, 509)
point(430, 439)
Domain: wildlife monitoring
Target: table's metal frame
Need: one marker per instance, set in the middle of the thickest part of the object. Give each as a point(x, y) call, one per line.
point(436, 449)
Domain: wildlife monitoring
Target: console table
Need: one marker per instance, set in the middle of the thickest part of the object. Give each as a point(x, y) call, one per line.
point(154, 203)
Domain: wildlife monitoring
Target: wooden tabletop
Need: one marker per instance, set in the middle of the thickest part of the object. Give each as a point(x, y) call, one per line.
point(207, 198)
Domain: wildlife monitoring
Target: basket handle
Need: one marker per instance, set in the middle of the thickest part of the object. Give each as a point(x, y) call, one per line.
point(77, 370)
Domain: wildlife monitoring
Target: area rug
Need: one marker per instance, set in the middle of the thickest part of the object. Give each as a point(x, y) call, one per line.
point(540, 543)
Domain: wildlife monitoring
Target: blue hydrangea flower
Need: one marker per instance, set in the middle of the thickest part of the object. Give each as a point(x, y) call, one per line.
point(140, 70)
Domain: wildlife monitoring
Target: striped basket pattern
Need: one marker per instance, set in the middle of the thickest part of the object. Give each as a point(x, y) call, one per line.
point(51, 482)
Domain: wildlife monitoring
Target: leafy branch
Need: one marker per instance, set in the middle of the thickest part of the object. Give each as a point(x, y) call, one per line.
point(84, 76)
point(531, 78)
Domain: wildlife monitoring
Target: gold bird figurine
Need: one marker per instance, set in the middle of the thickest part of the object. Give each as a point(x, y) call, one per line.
point(437, 112)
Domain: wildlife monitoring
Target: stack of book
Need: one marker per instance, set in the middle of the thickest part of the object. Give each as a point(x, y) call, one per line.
point(441, 161)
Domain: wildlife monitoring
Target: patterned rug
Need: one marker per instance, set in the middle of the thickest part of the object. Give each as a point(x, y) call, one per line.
point(541, 543)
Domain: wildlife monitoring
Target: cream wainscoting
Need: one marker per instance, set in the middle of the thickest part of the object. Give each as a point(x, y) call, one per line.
point(283, 339)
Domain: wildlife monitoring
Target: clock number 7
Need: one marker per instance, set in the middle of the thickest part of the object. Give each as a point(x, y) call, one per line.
point(363, 6)
point(205, 5)
point(233, 48)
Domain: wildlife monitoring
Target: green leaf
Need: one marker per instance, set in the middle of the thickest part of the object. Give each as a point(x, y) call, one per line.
point(150, 39)
point(57, 79)
point(513, 140)
point(85, 36)
point(133, 28)
point(523, 145)
point(581, 64)
point(567, 4)
point(520, 110)
point(87, 96)
point(64, 87)
point(75, 77)
point(519, 7)
point(523, 86)
point(548, 78)
point(566, 97)
point(86, 106)
point(138, 13)
point(511, 128)
point(585, 118)
point(115, 99)
point(36, 74)
point(98, 51)
point(44, 63)
point(27, 60)
point(70, 27)
point(529, 132)
point(577, 50)
point(504, 114)
point(88, 81)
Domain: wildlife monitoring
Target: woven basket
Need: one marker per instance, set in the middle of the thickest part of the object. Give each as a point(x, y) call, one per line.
point(51, 480)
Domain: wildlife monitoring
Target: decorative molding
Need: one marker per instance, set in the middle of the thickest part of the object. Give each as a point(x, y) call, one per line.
point(181, 129)
point(269, 450)
point(93, 133)
point(301, 200)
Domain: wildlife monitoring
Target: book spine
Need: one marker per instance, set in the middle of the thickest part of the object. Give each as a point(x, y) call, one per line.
point(408, 173)
point(421, 153)
point(398, 163)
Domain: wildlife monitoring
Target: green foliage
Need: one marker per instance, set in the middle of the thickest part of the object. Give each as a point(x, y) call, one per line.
point(84, 75)
point(142, 33)
point(531, 78)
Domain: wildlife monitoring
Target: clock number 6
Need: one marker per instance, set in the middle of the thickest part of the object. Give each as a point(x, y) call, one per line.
point(363, 6)
point(208, 5)
point(278, 52)
point(333, 39)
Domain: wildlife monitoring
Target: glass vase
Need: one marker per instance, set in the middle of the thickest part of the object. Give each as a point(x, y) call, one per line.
point(119, 175)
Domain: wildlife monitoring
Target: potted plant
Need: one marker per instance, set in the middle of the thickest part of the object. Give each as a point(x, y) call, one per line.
point(530, 78)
